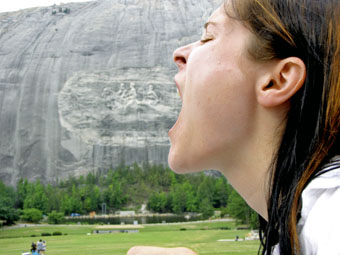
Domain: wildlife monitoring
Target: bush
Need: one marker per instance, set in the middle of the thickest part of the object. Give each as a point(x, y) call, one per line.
point(55, 217)
point(8, 215)
point(45, 234)
point(224, 228)
point(57, 233)
point(32, 215)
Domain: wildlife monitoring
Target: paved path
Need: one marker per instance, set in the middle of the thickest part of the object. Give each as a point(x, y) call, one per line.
point(21, 225)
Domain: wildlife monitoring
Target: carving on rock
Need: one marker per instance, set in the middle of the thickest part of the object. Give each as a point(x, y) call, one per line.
point(126, 97)
point(120, 107)
point(151, 96)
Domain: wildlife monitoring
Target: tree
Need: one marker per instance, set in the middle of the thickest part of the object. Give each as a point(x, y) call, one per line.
point(168, 205)
point(7, 194)
point(221, 189)
point(191, 205)
point(7, 200)
point(157, 202)
point(75, 200)
point(54, 198)
point(179, 199)
point(206, 190)
point(7, 214)
point(190, 197)
point(91, 179)
point(92, 198)
point(22, 188)
point(36, 197)
point(165, 177)
point(55, 217)
point(131, 185)
point(113, 195)
point(32, 215)
point(206, 208)
point(254, 220)
point(66, 206)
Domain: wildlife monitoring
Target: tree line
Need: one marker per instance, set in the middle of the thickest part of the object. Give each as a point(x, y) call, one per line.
point(124, 188)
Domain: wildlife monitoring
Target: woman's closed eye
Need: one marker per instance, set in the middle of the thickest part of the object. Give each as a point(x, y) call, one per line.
point(206, 38)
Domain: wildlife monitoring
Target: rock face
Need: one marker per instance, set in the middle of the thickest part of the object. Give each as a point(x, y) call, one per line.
point(89, 86)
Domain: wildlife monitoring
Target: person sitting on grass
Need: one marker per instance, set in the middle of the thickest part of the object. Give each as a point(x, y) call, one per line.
point(39, 246)
point(43, 249)
point(34, 249)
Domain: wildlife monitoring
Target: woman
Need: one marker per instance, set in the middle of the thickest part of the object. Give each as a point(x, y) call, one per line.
point(261, 104)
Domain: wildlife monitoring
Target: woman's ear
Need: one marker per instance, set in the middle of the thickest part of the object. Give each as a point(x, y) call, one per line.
point(281, 82)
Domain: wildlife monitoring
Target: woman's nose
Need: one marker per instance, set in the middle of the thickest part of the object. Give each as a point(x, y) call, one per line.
point(181, 55)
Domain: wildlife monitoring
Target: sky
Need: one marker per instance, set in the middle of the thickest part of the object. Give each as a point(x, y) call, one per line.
point(14, 5)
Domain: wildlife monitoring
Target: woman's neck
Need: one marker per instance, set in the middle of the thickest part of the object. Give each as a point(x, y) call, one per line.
point(252, 184)
point(248, 169)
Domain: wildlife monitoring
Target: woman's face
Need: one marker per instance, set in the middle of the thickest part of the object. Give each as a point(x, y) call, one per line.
point(216, 82)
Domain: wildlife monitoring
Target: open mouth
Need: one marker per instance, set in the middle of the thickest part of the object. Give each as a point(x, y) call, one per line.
point(176, 124)
point(178, 117)
point(178, 88)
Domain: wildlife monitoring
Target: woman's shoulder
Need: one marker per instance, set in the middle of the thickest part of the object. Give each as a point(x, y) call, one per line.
point(328, 177)
point(319, 225)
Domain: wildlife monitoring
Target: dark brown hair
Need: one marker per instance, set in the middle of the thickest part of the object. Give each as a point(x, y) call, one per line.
point(309, 30)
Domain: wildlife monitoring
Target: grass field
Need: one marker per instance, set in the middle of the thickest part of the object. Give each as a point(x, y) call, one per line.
point(201, 237)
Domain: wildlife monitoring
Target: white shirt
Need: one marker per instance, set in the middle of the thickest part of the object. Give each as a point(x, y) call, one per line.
point(319, 225)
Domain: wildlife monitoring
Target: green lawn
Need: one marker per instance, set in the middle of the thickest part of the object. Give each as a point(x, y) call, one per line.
point(201, 237)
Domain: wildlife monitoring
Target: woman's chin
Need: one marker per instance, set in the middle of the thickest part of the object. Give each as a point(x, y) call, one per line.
point(172, 162)
point(176, 162)
point(179, 163)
